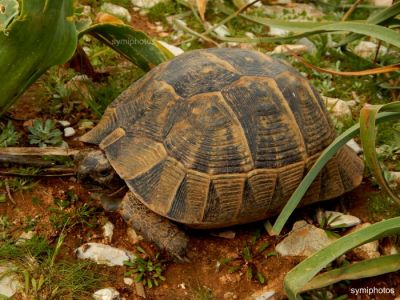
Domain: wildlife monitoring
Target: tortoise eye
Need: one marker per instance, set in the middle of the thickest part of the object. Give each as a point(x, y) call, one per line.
point(104, 173)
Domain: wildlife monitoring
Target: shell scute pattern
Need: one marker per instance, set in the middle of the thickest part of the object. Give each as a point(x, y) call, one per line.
point(220, 137)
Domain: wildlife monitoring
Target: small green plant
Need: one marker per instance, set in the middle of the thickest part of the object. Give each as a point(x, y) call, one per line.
point(202, 293)
point(44, 133)
point(4, 226)
point(246, 260)
point(8, 136)
point(67, 213)
point(36, 264)
point(18, 184)
point(148, 270)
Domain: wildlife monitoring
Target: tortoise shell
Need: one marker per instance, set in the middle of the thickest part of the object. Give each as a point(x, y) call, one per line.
point(219, 137)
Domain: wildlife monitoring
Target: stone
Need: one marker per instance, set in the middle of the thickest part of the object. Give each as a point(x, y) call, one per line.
point(298, 49)
point(368, 49)
point(64, 123)
point(227, 234)
point(368, 250)
point(69, 131)
point(340, 220)
point(311, 48)
point(145, 3)
point(222, 31)
point(80, 86)
point(304, 240)
point(85, 124)
point(382, 3)
point(230, 296)
point(117, 11)
point(339, 108)
point(128, 281)
point(109, 293)
point(9, 284)
point(277, 31)
point(108, 231)
point(139, 288)
point(24, 237)
point(104, 254)
point(86, 10)
point(353, 145)
point(173, 49)
point(262, 295)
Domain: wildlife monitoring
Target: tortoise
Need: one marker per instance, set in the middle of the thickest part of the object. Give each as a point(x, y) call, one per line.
point(214, 138)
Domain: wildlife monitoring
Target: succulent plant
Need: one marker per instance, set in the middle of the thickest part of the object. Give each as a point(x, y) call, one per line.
point(44, 133)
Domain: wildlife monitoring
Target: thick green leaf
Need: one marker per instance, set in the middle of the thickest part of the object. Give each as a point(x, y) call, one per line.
point(363, 269)
point(368, 132)
point(299, 276)
point(42, 35)
point(317, 167)
point(134, 45)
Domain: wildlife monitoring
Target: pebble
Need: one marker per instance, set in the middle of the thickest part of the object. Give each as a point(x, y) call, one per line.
point(24, 237)
point(106, 294)
point(230, 296)
point(104, 254)
point(108, 231)
point(128, 281)
point(116, 10)
point(339, 108)
point(304, 240)
point(69, 131)
point(353, 145)
point(383, 3)
point(368, 49)
point(222, 31)
point(173, 49)
point(368, 250)
point(145, 3)
point(64, 123)
point(298, 49)
point(262, 295)
point(139, 288)
point(8, 283)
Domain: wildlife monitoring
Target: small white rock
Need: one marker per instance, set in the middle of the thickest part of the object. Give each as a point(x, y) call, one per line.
point(104, 254)
point(182, 286)
point(87, 10)
point(116, 10)
point(106, 294)
point(69, 131)
point(311, 48)
point(290, 48)
point(368, 250)
point(128, 281)
point(368, 49)
point(262, 295)
point(64, 123)
point(108, 231)
point(222, 31)
point(173, 49)
point(230, 296)
point(353, 145)
point(382, 2)
point(140, 290)
point(24, 237)
point(9, 284)
point(341, 220)
point(145, 3)
point(338, 108)
point(277, 31)
point(304, 240)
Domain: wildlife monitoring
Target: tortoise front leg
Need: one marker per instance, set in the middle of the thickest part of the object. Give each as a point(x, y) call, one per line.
point(153, 227)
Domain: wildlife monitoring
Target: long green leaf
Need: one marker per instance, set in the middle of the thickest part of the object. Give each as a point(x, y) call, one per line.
point(317, 167)
point(299, 276)
point(42, 35)
point(368, 132)
point(134, 45)
point(363, 269)
point(377, 18)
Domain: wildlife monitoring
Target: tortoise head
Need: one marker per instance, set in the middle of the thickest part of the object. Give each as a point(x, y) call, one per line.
point(95, 171)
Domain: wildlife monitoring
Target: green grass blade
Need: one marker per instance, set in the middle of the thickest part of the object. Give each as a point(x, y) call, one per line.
point(363, 269)
point(368, 132)
point(378, 18)
point(42, 35)
point(134, 45)
point(317, 167)
point(299, 276)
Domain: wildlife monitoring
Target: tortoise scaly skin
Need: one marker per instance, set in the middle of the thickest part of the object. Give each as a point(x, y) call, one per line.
point(218, 137)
